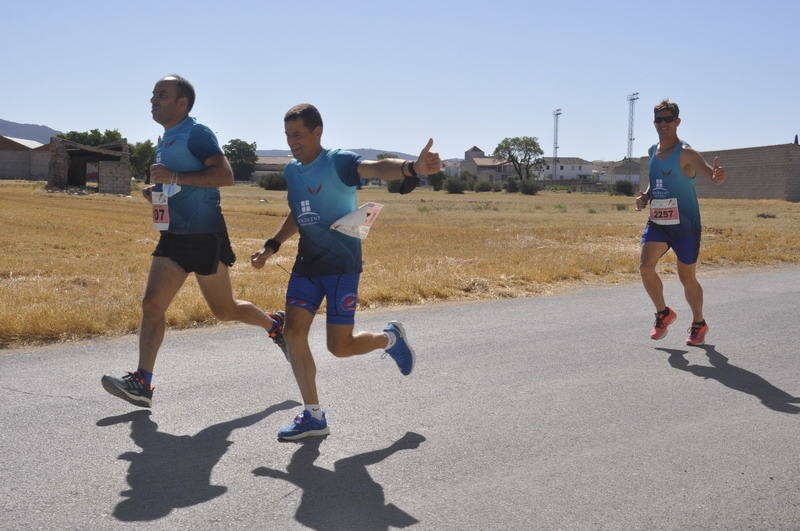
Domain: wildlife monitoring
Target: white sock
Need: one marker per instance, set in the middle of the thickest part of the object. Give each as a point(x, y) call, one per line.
point(392, 339)
point(315, 410)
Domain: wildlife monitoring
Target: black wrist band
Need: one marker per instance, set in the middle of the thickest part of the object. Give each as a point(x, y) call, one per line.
point(273, 244)
point(412, 169)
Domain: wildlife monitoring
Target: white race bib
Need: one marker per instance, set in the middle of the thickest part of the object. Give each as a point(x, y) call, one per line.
point(665, 211)
point(160, 211)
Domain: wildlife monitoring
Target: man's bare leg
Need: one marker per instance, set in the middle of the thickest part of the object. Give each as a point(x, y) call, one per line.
point(297, 327)
point(692, 289)
point(342, 343)
point(218, 292)
point(650, 255)
point(163, 283)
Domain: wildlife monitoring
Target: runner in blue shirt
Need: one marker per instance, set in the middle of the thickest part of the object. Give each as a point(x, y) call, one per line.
point(321, 189)
point(674, 220)
point(190, 167)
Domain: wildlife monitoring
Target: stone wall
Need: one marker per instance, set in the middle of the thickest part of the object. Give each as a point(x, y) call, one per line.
point(114, 177)
point(768, 172)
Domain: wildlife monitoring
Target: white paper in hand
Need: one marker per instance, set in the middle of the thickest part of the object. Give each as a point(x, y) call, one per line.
point(358, 222)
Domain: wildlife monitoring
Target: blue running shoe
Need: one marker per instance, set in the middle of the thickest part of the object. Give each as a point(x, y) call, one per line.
point(401, 352)
point(305, 425)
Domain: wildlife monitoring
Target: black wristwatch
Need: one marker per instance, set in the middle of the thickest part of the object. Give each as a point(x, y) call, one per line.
point(273, 244)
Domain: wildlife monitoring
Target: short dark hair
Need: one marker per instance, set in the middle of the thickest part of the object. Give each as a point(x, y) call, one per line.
point(184, 89)
point(306, 112)
point(666, 105)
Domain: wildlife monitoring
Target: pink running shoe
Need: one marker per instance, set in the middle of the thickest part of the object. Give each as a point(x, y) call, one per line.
point(663, 320)
point(697, 334)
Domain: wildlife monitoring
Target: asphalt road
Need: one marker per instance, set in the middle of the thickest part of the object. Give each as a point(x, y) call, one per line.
point(547, 413)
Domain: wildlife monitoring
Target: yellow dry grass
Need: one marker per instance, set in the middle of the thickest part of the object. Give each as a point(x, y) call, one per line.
point(75, 266)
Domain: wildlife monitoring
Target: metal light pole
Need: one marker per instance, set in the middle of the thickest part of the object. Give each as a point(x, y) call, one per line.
point(556, 114)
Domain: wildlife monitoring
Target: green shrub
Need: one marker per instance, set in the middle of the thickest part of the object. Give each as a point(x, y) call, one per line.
point(483, 186)
point(512, 186)
point(623, 188)
point(529, 187)
point(272, 181)
point(454, 185)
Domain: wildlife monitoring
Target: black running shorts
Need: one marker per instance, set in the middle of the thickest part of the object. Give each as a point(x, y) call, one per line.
point(196, 253)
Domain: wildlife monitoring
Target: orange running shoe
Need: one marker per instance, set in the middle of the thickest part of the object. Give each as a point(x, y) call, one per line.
point(697, 334)
point(663, 320)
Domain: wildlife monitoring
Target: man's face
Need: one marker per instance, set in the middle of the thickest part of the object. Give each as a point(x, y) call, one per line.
point(303, 143)
point(663, 127)
point(165, 105)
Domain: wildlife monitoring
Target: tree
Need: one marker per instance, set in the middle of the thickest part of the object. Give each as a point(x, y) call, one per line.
point(93, 137)
point(141, 155)
point(436, 180)
point(242, 157)
point(523, 152)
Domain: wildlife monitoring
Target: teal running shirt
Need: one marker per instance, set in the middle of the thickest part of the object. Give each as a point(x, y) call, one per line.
point(669, 183)
point(319, 193)
point(194, 209)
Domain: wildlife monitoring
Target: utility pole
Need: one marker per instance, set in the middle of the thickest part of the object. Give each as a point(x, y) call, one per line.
point(556, 114)
point(631, 104)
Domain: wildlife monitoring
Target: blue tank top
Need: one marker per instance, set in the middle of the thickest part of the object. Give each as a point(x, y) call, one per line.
point(668, 181)
point(319, 193)
point(195, 209)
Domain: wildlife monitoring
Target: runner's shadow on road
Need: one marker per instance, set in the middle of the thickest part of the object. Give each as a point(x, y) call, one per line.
point(174, 471)
point(735, 377)
point(346, 497)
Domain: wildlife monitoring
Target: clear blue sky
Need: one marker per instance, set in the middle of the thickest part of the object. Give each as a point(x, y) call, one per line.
point(390, 75)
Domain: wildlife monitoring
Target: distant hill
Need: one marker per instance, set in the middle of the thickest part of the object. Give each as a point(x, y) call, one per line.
point(40, 133)
point(367, 153)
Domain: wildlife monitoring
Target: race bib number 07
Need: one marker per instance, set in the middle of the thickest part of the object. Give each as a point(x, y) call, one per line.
point(665, 211)
point(160, 211)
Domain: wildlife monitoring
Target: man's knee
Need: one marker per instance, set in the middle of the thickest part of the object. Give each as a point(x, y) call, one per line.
point(687, 277)
point(647, 268)
point(224, 312)
point(340, 347)
point(152, 307)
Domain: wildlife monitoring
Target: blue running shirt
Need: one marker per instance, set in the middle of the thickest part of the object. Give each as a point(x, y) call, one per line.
point(195, 209)
point(319, 193)
point(668, 181)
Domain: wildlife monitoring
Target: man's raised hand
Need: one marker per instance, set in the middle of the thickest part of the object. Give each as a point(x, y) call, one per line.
point(717, 172)
point(428, 162)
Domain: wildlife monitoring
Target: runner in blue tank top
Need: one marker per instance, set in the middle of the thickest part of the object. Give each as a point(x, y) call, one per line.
point(674, 220)
point(321, 189)
point(190, 167)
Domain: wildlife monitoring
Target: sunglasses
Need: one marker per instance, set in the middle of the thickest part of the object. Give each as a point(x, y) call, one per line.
point(659, 119)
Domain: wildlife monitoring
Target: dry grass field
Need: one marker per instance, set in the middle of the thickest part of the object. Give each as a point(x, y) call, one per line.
point(75, 266)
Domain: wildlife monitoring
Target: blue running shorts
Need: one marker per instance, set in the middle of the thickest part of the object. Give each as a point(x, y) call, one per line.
point(686, 246)
point(340, 291)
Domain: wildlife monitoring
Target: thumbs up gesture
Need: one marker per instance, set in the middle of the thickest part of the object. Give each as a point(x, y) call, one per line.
point(717, 172)
point(428, 161)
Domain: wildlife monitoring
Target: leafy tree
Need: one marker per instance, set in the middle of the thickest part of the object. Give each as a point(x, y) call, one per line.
point(93, 137)
point(436, 180)
point(524, 153)
point(382, 156)
point(242, 157)
point(141, 155)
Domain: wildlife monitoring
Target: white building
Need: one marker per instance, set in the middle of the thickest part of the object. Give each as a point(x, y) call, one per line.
point(567, 168)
